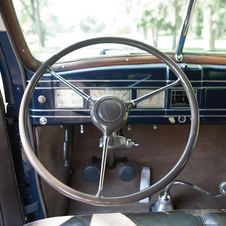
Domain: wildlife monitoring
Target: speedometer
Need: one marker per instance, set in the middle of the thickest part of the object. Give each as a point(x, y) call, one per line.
point(123, 94)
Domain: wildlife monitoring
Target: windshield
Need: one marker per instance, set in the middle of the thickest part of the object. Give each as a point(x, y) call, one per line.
point(50, 25)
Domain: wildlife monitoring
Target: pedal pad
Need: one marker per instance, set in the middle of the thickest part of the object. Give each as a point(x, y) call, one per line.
point(145, 181)
point(127, 173)
point(91, 173)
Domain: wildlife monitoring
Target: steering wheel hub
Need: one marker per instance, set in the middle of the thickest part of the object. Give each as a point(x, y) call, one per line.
point(109, 110)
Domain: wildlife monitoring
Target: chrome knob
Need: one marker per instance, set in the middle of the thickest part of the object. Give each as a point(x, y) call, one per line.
point(41, 99)
point(172, 120)
point(222, 188)
point(43, 120)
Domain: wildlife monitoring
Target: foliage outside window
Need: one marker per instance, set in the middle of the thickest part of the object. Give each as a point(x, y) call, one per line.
point(50, 25)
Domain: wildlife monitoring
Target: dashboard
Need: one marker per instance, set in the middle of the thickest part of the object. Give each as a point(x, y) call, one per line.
point(53, 103)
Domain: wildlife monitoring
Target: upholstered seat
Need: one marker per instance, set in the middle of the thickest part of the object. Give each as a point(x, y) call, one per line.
point(168, 218)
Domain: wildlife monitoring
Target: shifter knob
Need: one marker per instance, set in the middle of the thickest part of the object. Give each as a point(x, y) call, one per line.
point(222, 188)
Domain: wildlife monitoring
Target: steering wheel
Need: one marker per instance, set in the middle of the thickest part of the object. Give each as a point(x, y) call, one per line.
point(109, 114)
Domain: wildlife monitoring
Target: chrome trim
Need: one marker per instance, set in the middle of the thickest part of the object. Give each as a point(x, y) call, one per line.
point(115, 87)
point(213, 87)
point(126, 80)
point(135, 109)
point(184, 30)
point(209, 109)
point(84, 116)
point(224, 81)
point(148, 109)
point(58, 109)
point(94, 80)
point(59, 116)
point(131, 116)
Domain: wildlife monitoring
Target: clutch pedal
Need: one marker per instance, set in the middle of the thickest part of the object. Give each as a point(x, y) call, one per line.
point(145, 181)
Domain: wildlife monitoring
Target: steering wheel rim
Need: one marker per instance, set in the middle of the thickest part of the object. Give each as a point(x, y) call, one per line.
point(92, 199)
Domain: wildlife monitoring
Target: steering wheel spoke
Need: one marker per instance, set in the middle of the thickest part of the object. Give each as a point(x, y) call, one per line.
point(140, 99)
point(103, 166)
point(71, 86)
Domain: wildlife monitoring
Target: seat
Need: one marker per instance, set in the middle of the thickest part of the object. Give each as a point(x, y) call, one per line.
point(203, 217)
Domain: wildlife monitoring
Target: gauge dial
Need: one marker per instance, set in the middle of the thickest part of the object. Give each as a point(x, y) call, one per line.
point(67, 98)
point(156, 101)
point(123, 94)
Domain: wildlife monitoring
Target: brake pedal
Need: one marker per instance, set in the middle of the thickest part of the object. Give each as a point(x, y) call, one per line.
point(145, 181)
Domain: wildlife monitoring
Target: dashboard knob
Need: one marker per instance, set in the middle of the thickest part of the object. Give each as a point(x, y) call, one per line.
point(43, 120)
point(41, 99)
point(172, 120)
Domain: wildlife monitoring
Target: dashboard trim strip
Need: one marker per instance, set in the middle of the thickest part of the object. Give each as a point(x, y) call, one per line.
point(129, 87)
point(132, 116)
point(148, 109)
point(129, 80)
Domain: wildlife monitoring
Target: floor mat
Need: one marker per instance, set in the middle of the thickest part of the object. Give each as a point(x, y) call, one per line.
point(158, 149)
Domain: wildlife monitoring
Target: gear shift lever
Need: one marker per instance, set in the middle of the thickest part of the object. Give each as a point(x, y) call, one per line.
point(164, 202)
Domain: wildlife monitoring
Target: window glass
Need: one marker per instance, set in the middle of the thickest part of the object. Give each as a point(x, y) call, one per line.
point(207, 32)
point(50, 25)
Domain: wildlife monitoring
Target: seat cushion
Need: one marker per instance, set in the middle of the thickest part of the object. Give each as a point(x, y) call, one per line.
point(166, 218)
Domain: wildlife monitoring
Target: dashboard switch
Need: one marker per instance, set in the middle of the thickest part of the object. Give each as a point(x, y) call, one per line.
point(172, 120)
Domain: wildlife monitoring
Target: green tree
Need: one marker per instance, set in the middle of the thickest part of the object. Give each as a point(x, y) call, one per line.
point(209, 21)
point(174, 17)
point(154, 16)
point(90, 24)
point(32, 10)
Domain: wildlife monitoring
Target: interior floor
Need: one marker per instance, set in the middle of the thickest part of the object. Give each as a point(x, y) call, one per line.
point(158, 149)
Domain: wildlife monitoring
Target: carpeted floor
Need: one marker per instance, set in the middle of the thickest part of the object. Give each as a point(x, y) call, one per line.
point(159, 149)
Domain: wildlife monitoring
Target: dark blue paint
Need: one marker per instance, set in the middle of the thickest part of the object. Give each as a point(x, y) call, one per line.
point(150, 76)
point(31, 194)
point(14, 69)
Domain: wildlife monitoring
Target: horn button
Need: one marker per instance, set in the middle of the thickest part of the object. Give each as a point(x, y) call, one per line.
point(109, 110)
